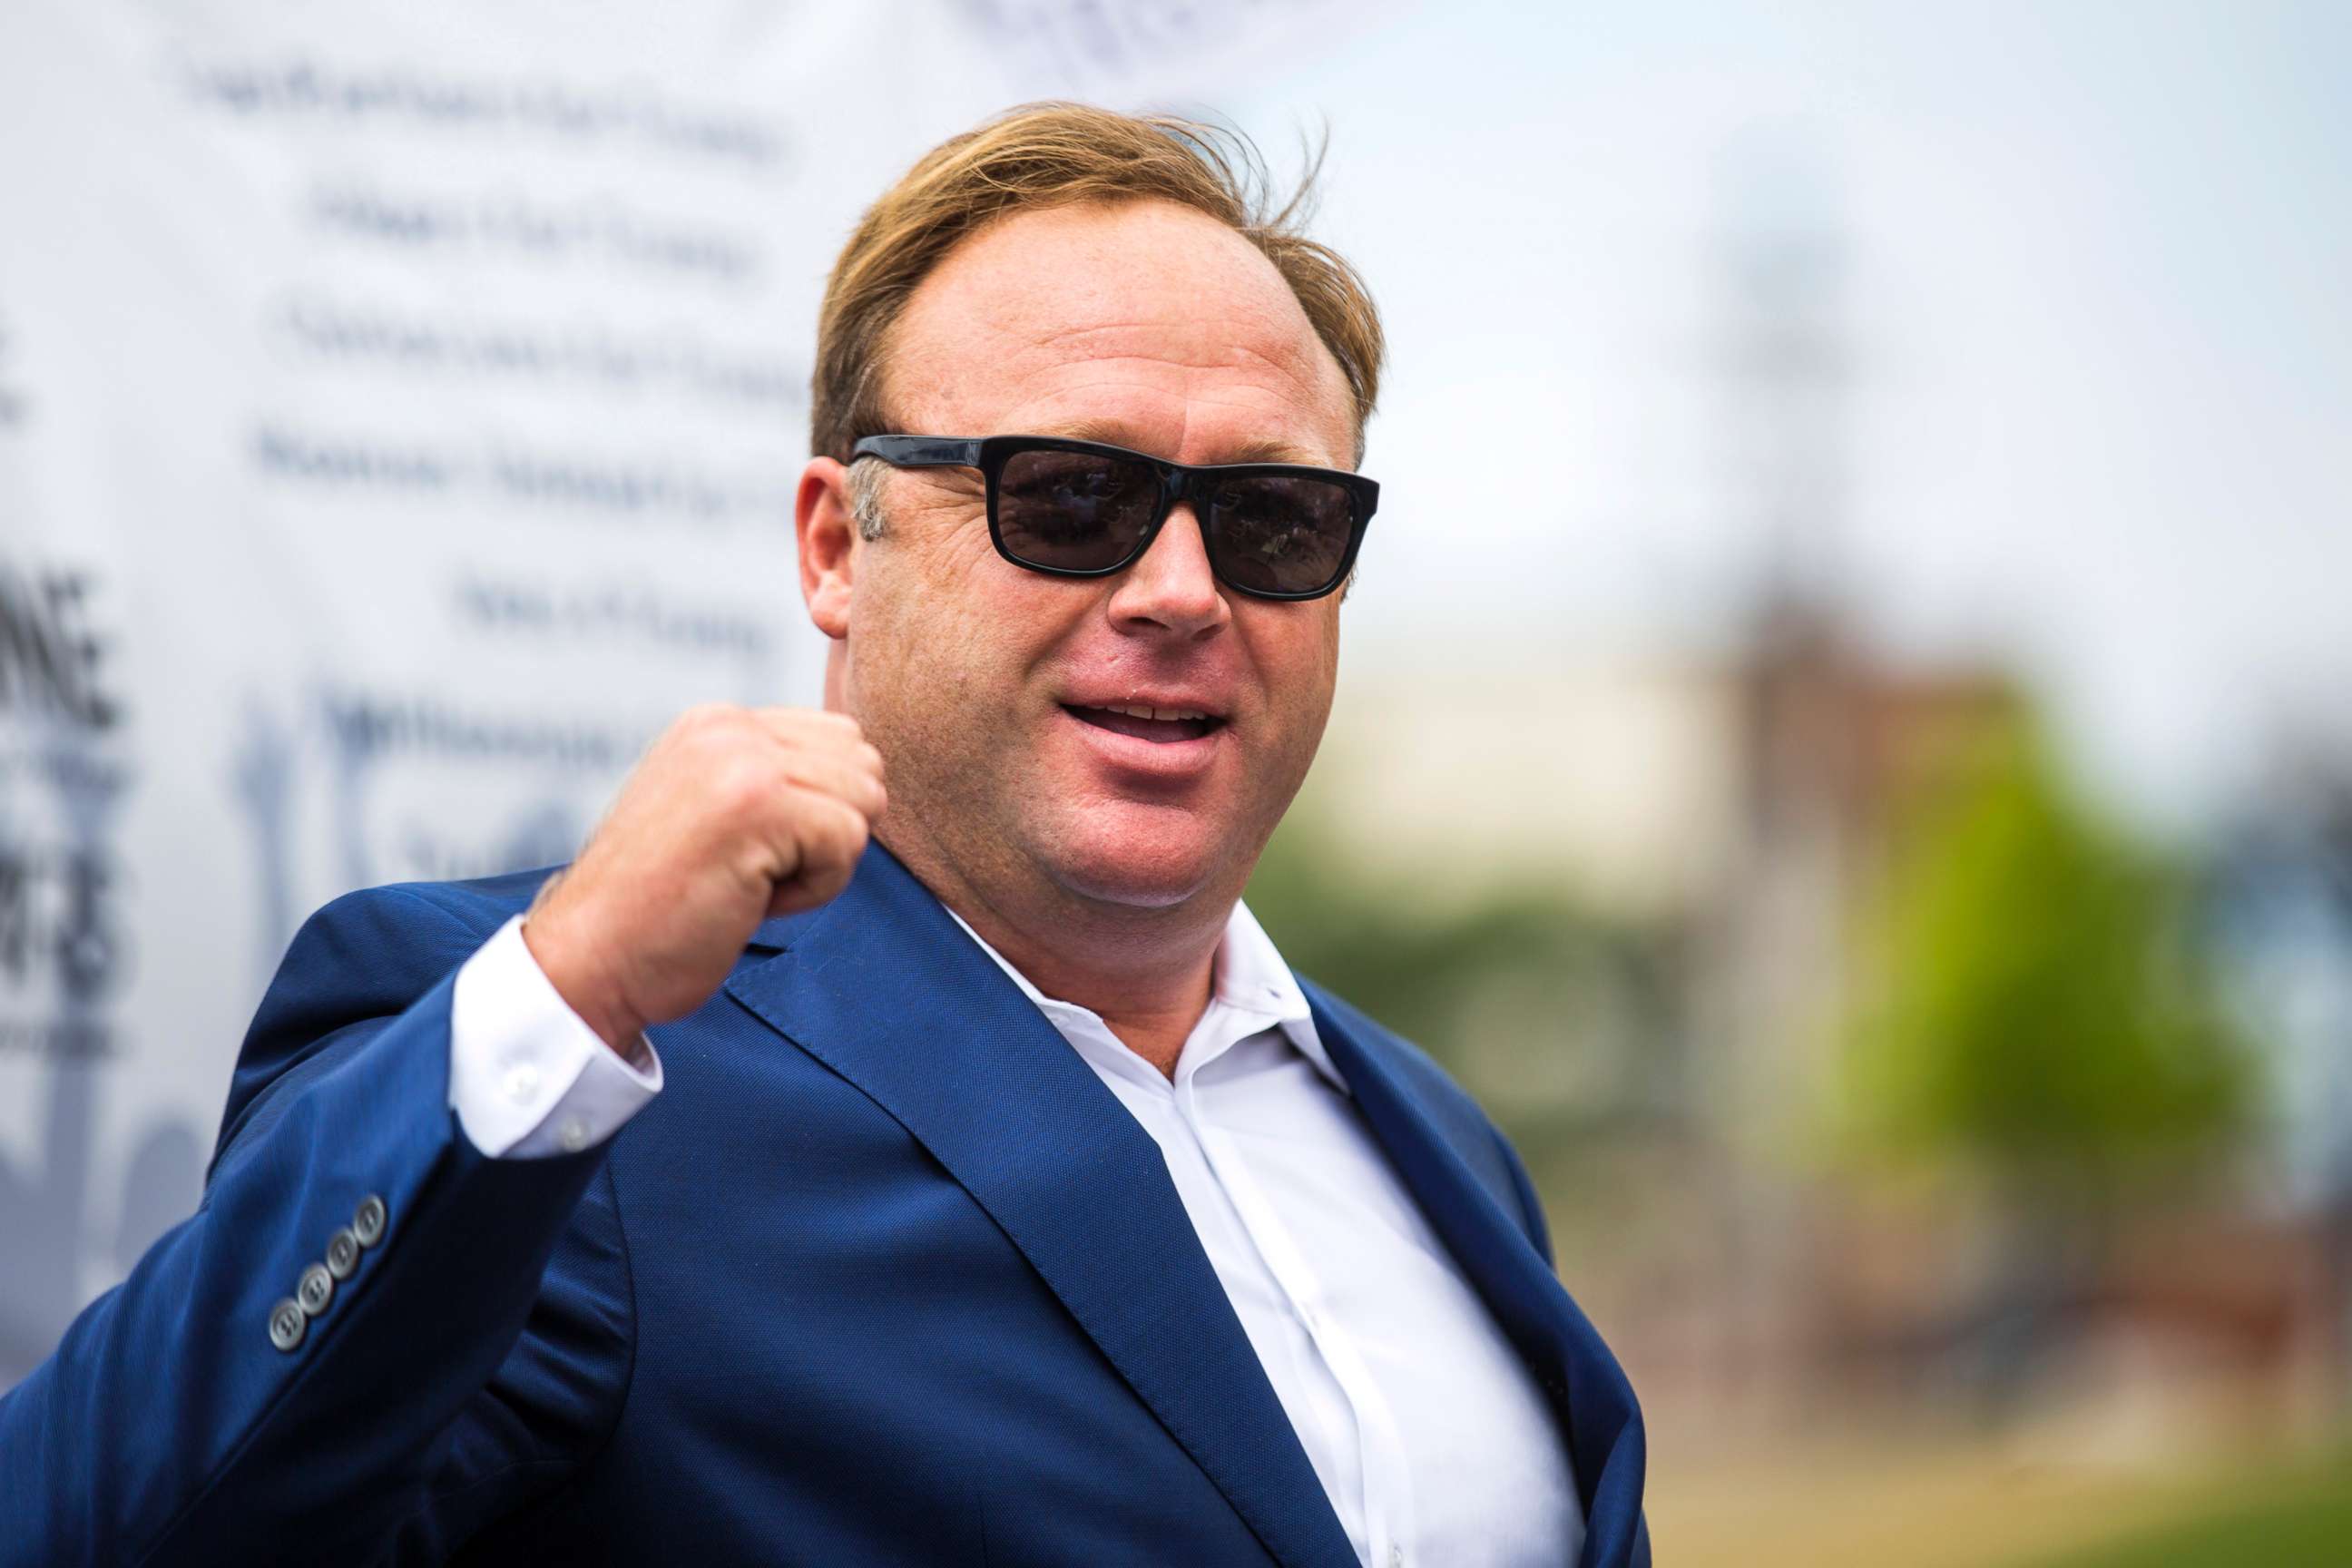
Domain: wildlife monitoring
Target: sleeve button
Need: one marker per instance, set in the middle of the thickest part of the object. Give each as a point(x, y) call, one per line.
point(287, 1324)
point(316, 1290)
point(342, 1253)
point(367, 1225)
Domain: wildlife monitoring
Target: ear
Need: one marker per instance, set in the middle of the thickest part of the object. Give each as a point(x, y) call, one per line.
point(828, 543)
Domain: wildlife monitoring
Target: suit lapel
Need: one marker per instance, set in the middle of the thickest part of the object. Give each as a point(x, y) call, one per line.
point(1587, 1388)
point(887, 991)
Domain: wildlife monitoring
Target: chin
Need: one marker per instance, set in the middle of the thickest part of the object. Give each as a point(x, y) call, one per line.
point(1131, 863)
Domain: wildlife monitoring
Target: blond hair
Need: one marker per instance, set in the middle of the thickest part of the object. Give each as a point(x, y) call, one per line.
point(1057, 154)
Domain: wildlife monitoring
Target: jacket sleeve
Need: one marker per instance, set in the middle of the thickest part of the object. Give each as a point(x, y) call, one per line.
point(187, 1416)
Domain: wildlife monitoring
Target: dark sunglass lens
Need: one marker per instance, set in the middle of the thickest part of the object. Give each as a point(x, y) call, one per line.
point(1274, 534)
point(1078, 512)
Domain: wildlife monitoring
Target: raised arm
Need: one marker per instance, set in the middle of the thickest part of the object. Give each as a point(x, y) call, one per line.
point(288, 1365)
point(402, 1307)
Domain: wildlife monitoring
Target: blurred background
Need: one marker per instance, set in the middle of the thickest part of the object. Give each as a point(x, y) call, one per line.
point(1842, 744)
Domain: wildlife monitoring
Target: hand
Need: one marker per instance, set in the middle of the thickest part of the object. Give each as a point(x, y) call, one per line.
point(732, 816)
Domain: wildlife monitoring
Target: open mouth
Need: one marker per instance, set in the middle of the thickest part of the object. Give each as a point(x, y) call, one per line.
point(1161, 724)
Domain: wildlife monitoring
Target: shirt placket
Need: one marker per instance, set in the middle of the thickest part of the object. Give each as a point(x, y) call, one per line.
point(1383, 1475)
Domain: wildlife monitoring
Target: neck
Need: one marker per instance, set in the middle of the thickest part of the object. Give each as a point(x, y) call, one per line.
point(1147, 973)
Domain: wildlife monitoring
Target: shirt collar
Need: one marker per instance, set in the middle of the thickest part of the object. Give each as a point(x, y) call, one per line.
point(1249, 976)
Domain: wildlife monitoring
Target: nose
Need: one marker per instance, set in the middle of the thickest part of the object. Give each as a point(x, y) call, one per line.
point(1171, 587)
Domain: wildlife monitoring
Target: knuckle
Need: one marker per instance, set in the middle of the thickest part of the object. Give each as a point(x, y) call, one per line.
point(709, 731)
point(743, 783)
point(844, 828)
point(854, 838)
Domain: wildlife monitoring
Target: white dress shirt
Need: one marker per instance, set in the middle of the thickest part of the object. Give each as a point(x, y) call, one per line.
point(1429, 1435)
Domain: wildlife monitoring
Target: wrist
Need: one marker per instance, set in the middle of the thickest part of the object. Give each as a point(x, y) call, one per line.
point(600, 1006)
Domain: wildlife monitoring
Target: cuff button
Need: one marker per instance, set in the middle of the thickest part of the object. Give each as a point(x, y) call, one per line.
point(342, 1253)
point(316, 1290)
point(287, 1324)
point(367, 1225)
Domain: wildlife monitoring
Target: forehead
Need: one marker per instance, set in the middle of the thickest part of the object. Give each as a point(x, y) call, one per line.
point(1145, 323)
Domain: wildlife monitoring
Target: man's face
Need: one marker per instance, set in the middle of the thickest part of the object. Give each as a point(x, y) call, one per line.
point(986, 686)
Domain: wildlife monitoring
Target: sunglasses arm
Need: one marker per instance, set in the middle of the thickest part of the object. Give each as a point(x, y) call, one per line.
point(919, 451)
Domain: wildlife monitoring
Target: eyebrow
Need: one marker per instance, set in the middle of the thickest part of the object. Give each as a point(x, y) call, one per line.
point(1111, 433)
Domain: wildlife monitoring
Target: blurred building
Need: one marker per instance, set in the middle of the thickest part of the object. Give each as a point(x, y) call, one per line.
point(1738, 830)
point(1732, 828)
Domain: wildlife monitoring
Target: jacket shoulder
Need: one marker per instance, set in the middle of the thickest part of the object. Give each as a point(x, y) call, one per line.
point(366, 955)
point(375, 949)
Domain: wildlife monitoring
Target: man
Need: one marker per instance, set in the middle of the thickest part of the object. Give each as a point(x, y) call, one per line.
point(807, 1175)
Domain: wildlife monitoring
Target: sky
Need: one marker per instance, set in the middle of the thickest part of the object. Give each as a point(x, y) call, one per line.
point(2092, 317)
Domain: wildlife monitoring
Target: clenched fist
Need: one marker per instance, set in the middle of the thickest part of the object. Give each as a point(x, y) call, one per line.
point(732, 816)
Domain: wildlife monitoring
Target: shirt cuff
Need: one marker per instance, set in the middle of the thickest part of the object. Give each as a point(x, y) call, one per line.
point(527, 1077)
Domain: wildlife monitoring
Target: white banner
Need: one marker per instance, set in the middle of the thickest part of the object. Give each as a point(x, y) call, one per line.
point(400, 408)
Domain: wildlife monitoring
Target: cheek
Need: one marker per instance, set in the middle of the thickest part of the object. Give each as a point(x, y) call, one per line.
point(920, 595)
point(1296, 652)
point(953, 633)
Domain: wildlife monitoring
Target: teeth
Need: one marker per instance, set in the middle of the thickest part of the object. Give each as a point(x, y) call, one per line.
point(1141, 710)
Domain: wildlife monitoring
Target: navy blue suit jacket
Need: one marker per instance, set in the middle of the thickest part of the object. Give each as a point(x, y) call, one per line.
point(886, 1274)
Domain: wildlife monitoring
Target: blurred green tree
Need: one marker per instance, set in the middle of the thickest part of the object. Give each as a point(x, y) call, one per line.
point(2035, 1002)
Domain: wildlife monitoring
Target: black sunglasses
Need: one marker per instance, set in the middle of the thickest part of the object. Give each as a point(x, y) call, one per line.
point(1084, 509)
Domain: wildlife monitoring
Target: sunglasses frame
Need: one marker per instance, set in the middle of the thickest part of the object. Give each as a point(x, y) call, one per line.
point(1177, 482)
